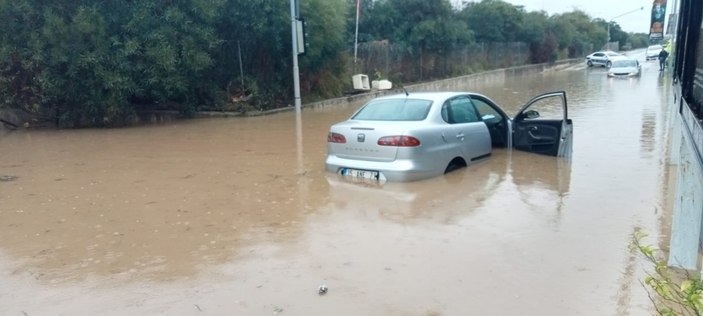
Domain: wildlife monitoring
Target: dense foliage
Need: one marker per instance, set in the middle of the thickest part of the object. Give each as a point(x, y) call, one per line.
point(87, 63)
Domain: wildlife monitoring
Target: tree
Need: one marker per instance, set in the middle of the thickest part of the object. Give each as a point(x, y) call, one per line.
point(19, 69)
point(618, 35)
point(260, 30)
point(638, 40)
point(323, 64)
point(426, 29)
point(170, 46)
point(88, 63)
point(576, 33)
point(375, 21)
point(542, 43)
point(494, 20)
point(84, 63)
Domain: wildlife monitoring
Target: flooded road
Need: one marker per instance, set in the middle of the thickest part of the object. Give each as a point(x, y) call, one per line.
point(238, 217)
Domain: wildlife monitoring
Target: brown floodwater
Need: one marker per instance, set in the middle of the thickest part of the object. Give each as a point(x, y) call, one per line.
point(238, 217)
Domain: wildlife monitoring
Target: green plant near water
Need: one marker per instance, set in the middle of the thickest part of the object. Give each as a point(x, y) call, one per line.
point(672, 292)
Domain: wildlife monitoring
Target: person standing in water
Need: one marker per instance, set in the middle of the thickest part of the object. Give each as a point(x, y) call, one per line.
point(662, 59)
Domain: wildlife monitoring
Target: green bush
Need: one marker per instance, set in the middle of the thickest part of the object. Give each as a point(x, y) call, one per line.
point(676, 293)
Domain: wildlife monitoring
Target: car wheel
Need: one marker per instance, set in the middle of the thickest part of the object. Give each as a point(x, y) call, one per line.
point(589, 63)
point(608, 64)
point(455, 164)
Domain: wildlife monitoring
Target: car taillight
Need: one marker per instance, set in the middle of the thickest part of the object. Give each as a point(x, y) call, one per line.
point(336, 138)
point(399, 141)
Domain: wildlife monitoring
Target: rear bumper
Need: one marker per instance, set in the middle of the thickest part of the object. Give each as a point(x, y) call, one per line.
point(396, 171)
point(630, 75)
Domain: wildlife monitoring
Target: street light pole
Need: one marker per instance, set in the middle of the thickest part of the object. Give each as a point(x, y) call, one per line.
point(607, 43)
point(296, 71)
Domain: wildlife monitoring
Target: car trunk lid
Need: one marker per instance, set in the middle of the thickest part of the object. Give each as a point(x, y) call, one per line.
point(362, 140)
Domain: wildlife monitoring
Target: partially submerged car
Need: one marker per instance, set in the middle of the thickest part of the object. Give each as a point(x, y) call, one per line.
point(413, 136)
point(625, 67)
point(653, 52)
point(601, 58)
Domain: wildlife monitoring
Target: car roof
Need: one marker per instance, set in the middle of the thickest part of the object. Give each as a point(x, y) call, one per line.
point(607, 52)
point(435, 96)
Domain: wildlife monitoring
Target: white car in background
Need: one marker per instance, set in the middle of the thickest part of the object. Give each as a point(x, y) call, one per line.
point(653, 52)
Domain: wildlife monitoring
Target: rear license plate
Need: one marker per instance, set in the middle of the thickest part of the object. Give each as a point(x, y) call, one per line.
point(362, 174)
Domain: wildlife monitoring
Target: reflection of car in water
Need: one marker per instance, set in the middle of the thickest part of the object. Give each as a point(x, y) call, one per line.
point(409, 137)
point(444, 196)
point(542, 171)
point(457, 194)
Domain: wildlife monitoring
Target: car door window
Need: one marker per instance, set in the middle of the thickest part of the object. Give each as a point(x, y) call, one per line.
point(487, 112)
point(542, 126)
point(545, 109)
point(459, 110)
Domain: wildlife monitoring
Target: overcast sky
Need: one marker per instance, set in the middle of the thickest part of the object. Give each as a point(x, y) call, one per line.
point(637, 21)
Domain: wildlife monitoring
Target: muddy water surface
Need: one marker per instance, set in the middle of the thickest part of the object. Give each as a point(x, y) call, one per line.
point(238, 217)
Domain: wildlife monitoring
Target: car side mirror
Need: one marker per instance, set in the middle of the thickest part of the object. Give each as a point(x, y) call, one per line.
point(531, 114)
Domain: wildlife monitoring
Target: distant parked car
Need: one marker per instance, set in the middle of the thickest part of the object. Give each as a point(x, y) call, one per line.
point(653, 52)
point(414, 136)
point(600, 58)
point(624, 67)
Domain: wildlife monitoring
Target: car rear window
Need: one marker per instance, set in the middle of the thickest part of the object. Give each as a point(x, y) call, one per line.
point(624, 63)
point(394, 110)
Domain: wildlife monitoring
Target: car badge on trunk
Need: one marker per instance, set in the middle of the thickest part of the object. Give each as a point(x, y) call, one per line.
point(360, 138)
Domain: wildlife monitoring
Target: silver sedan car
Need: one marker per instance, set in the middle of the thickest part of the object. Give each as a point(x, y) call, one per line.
point(625, 67)
point(414, 136)
point(601, 58)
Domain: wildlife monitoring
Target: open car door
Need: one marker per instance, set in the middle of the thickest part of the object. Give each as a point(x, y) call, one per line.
point(542, 126)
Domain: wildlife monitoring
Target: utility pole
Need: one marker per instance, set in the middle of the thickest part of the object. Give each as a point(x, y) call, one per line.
point(294, 37)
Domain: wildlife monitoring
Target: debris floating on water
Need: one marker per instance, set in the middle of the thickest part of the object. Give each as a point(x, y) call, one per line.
point(6, 178)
